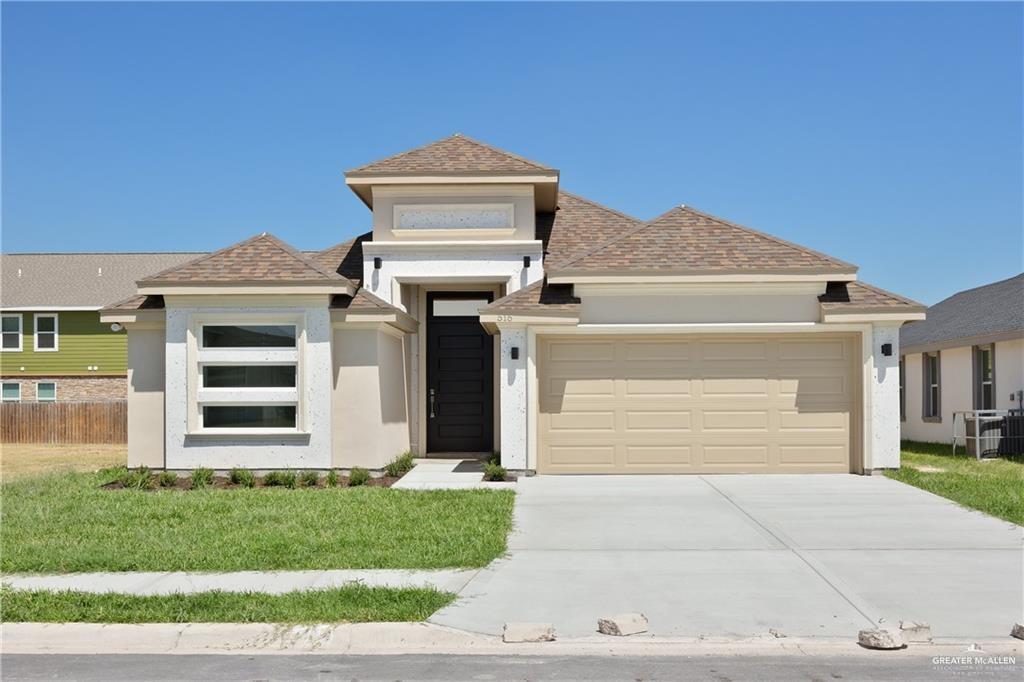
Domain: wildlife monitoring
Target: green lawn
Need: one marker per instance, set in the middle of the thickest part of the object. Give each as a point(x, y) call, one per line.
point(65, 523)
point(995, 487)
point(352, 604)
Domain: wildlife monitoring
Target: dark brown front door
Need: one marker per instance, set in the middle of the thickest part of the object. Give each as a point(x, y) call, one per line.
point(460, 374)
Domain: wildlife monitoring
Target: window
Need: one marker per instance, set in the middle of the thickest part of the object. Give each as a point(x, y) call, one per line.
point(11, 392)
point(45, 333)
point(932, 387)
point(249, 336)
point(259, 376)
point(46, 391)
point(903, 389)
point(984, 378)
point(246, 373)
point(248, 416)
point(11, 332)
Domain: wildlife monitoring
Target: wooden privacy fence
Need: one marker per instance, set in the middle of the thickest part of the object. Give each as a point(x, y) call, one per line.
point(70, 422)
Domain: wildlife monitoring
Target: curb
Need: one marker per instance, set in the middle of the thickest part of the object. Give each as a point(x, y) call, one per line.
point(421, 638)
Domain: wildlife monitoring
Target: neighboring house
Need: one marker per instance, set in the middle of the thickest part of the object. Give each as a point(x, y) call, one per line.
point(968, 355)
point(54, 346)
point(489, 310)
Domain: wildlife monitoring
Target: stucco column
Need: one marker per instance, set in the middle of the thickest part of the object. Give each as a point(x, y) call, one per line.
point(514, 403)
point(885, 397)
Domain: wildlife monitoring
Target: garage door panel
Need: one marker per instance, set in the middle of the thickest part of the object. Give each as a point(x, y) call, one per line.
point(679, 404)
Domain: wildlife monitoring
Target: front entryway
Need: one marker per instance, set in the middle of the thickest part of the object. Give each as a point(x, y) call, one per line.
point(460, 374)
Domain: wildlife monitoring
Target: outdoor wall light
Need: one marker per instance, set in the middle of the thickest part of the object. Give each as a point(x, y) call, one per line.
point(526, 261)
point(886, 349)
point(377, 262)
point(515, 349)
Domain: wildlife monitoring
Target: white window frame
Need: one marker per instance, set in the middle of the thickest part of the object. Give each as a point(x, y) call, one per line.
point(35, 333)
point(11, 400)
point(978, 379)
point(46, 400)
point(198, 357)
point(21, 332)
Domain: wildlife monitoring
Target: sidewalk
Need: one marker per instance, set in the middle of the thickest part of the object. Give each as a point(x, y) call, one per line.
point(448, 474)
point(271, 582)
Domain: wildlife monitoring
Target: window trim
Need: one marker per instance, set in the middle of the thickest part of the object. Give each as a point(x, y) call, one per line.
point(46, 400)
point(198, 357)
point(930, 412)
point(21, 333)
point(35, 333)
point(977, 382)
point(10, 383)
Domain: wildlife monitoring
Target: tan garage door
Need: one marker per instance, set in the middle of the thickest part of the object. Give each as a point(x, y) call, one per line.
point(682, 404)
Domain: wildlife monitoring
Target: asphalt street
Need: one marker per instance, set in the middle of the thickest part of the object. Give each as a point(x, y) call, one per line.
point(903, 666)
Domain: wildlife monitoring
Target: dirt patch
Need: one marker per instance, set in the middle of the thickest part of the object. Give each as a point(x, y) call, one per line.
point(925, 469)
point(18, 460)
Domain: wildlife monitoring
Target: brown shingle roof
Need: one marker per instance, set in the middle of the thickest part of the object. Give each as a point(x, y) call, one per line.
point(363, 300)
point(840, 296)
point(263, 258)
point(685, 239)
point(345, 258)
point(137, 303)
point(455, 154)
point(578, 225)
point(537, 297)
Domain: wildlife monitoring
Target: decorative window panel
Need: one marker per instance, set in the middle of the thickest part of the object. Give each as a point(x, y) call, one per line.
point(465, 217)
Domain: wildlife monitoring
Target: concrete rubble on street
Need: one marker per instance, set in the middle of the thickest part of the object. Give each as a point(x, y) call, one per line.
point(622, 625)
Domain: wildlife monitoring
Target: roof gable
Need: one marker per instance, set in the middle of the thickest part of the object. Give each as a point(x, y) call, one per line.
point(687, 240)
point(263, 258)
point(455, 154)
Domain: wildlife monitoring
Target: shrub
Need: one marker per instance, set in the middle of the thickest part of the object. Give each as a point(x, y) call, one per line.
point(138, 479)
point(494, 472)
point(308, 479)
point(167, 479)
point(358, 476)
point(242, 477)
point(288, 479)
point(494, 457)
point(201, 477)
point(400, 464)
point(331, 480)
point(272, 478)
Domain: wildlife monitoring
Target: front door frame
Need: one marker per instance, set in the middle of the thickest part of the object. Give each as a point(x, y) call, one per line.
point(493, 286)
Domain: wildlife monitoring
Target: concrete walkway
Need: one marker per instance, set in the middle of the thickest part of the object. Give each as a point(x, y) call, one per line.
point(805, 555)
point(271, 582)
point(448, 474)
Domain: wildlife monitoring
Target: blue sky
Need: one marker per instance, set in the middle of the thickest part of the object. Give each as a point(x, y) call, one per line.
point(887, 135)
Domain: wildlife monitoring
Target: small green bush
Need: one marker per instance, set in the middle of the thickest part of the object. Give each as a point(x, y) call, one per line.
point(494, 457)
point(358, 476)
point(201, 477)
point(309, 479)
point(167, 479)
point(242, 477)
point(288, 479)
point(137, 479)
point(494, 472)
point(400, 464)
point(331, 480)
point(272, 478)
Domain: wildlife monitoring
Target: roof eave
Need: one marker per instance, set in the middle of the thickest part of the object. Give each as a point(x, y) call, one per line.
point(622, 276)
point(149, 287)
point(545, 183)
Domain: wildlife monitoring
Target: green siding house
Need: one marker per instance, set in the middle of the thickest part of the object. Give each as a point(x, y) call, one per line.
point(54, 347)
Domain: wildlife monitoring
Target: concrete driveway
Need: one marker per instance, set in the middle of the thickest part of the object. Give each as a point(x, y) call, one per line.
point(733, 556)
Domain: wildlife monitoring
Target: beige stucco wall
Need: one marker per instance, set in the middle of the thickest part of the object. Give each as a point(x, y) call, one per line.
point(955, 374)
point(675, 308)
point(146, 397)
point(370, 416)
point(520, 196)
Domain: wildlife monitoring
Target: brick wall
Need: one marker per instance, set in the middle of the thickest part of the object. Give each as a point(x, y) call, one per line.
point(81, 388)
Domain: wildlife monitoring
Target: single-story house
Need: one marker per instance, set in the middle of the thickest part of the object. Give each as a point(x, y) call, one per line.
point(54, 347)
point(488, 309)
point(968, 355)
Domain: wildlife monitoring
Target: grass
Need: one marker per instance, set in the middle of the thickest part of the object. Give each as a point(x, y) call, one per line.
point(995, 487)
point(65, 522)
point(18, 461)
point(351, 603)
